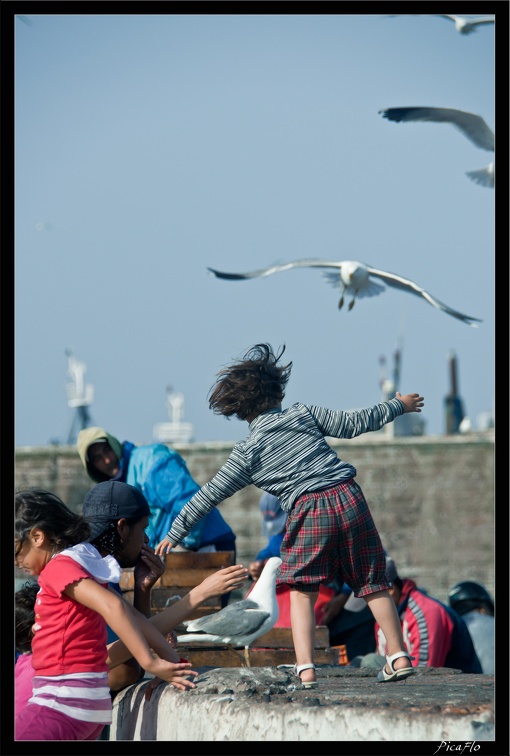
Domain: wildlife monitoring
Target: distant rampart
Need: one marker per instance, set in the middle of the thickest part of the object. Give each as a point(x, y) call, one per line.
point(432, 498)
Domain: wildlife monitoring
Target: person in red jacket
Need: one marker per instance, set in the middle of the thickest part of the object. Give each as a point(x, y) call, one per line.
point(434, 634)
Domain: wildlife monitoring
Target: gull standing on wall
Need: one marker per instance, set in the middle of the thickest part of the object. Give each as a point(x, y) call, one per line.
point(242, 622)
point(472, 126)
point(355, 279)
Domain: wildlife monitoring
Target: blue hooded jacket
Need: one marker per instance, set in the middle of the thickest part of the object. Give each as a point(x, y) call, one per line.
point(161, 474)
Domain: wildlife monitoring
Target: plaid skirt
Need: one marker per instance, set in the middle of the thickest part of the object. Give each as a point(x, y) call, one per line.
point(330, 534)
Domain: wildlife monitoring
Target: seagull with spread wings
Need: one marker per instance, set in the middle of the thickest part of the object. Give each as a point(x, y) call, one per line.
point(467, 25)
point(472, 126)
point(355, 279)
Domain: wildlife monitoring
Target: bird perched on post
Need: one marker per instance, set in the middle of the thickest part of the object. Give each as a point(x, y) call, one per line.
point(354, 278)
point(242, 622)
point(472, 126)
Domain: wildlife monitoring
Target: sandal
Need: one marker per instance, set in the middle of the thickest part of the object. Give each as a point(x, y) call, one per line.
point(301, 668)
point(395, 674)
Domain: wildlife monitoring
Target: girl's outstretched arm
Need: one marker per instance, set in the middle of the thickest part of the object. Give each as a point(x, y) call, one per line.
point(137, 633)
point(220, 582)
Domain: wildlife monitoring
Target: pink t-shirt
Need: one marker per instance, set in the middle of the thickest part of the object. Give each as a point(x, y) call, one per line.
point(68, 636)
point(23, 674)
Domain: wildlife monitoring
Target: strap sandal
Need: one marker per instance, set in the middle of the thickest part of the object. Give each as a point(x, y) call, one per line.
point(300, 668)
point(396, 674)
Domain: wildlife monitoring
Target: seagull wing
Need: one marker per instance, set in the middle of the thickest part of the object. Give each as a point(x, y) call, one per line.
point(391, 279)
point(404, 284)
point(447, 15)
point(308, 263)
point(235, 620)
point(472, 126)
point(483, 20)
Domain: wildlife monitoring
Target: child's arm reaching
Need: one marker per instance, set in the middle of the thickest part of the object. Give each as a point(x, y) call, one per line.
point(135, 630)
point(221, 581)
point(411, 402)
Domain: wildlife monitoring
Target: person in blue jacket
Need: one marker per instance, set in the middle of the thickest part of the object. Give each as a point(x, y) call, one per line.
point(161, 474)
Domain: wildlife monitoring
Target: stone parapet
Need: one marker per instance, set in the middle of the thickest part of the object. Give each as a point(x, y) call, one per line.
point(432, 498)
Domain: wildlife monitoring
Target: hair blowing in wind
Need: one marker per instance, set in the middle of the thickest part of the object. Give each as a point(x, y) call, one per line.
point(252, 385)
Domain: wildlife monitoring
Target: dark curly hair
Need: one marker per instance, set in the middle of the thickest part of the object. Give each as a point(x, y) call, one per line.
point(254, 384)
point(24, 611)
point(109, 540)
point(37, 508)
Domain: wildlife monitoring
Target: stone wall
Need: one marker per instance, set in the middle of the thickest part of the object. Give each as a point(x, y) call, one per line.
point(432, 498)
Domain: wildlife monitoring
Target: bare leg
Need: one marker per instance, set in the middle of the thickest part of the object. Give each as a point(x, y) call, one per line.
point(385, 614)
point(302, 620)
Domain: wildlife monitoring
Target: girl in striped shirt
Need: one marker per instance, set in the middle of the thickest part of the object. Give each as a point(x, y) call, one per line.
point(71, 698)
point(329, 532)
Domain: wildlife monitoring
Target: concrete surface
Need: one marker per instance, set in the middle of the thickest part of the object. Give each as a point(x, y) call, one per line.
point(269, 704)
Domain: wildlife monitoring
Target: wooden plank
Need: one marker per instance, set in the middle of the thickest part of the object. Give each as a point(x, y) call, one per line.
point(183, 568)
point(212, 560)
point(184, 577)
point(281, 637)
point(226, 656)
point(181, 578)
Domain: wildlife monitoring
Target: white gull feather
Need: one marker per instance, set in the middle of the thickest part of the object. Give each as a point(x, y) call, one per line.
point(354, 278)
point(471, 125)
point(242, 622)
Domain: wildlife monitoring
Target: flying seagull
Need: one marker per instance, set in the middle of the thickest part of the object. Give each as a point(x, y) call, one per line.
point(467, 25)
point(472, 126)
point(242, 622)
point(355, 279)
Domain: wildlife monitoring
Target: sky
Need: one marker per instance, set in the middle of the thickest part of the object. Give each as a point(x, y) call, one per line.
point(149, 147)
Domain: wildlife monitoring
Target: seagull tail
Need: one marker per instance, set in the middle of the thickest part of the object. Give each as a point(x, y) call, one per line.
point(483, 177)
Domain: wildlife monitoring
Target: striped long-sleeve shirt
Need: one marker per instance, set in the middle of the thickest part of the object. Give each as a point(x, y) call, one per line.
point(286, 454)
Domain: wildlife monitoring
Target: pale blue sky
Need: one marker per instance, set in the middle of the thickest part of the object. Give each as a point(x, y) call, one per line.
point(149, 147)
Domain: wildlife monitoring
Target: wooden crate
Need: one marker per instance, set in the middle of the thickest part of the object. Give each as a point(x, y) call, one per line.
point(186, 569)
point(183, 571)
point(273, 648)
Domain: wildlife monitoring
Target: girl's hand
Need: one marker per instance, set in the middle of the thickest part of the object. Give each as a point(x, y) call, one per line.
point(411, 402)
point(332, 608)
point(175, 673)
point(255, 569)
point(222, 581)
point(148, 568)
point(163, 547)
